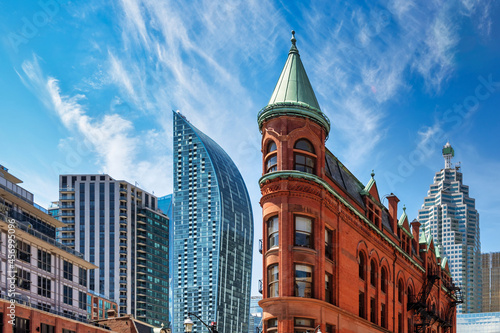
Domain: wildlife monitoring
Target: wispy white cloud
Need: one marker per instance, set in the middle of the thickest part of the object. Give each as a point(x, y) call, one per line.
point(111, 137)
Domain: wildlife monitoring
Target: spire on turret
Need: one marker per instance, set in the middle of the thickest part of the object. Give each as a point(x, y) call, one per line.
point(448, 154)
point(293, 94)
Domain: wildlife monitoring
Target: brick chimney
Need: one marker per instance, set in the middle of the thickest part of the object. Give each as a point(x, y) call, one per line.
point(393, 211)
point(415, 228)
point(111, 313)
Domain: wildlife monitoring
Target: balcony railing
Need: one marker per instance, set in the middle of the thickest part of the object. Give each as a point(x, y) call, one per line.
point(28, 229)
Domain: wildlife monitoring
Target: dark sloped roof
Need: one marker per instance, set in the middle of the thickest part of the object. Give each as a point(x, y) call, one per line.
point(337, 172)
point(344, 178)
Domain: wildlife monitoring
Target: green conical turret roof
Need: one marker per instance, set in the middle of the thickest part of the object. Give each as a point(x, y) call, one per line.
point(293, 94)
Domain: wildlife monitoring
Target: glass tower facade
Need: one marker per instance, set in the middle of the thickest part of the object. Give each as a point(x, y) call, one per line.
point(213, 234)
point(450, 216)
point(255, 321)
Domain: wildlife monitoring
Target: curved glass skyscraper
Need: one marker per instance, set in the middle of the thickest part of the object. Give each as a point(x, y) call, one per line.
point(212, 234)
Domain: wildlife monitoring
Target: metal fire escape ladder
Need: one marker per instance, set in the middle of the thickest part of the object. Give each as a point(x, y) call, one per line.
point(425, 316)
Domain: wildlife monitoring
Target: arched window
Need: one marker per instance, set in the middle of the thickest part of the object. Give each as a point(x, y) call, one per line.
point(304, 156)
point(362, 266)
point(410, 294)
point(272, 157)
point(401, 291)
point(383, 280)
point(373, 273)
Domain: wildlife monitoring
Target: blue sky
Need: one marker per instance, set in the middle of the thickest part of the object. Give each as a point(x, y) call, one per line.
point(88, 86)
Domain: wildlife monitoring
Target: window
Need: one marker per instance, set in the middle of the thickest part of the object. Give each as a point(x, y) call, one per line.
point(272, 232)
point(44, 328)
point(374, 214)
point(23, 251)
point(272, 325)
point(303, 232)
point(362, 312)
point(373, 310)
point(400, 323)
point(21, 325)
point(82, 300)
point(43, 306)
point(272, 281)
point(23, 280)
point(383, 316)
point(401, 291)
point(68, 295)
point(328, 288)
point(303, 281)
point(410, 294)
point(362, 268)
point(44, 287)
point(328, 244)
point(65, 330)
point(383, 280)
point(44, 260)
point(330, 328)
point(68, 270)
point(373, 273)
point(303, 325)
point(82, 276)
point(272, 158)
point(304, 156)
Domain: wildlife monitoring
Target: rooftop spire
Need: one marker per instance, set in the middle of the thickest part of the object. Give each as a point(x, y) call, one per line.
point(293, 49)
point(293, 93)
point(448, 154)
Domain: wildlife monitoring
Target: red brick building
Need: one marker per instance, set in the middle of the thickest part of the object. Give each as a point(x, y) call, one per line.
point(98, 306)
point(28, 319)
point(334, 255)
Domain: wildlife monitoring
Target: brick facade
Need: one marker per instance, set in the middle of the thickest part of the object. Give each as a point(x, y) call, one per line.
point(334, 256)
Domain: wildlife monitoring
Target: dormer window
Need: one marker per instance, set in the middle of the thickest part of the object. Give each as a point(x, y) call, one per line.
point(272, 157)
point(304, 156)
point(374, 214)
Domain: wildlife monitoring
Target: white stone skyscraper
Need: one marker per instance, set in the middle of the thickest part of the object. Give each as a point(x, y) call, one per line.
point(450, 216)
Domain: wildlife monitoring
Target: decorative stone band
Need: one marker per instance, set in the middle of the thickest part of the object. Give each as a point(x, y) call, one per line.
point(297, 109)
point(303, 175)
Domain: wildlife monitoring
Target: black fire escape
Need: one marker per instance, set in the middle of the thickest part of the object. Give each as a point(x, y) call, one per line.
point(424, 314)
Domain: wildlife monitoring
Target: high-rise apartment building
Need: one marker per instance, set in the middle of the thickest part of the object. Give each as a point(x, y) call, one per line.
point(450, 216)
point(213, 234)
point(118, 227)
point(491, 282)
point(43, 283)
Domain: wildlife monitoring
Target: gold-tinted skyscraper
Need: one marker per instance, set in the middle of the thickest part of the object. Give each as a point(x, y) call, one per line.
point(491, 282)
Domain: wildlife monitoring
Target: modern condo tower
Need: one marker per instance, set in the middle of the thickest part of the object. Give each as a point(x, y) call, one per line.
point(118, 227)
point(213, 234)
point(43, 283)
point(450, 216)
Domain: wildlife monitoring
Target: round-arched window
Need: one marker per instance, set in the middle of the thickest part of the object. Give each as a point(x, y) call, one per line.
point(304, 156)
point(272, 157)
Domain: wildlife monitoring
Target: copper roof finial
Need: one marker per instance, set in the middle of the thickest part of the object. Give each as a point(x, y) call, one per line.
point(293, 38)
